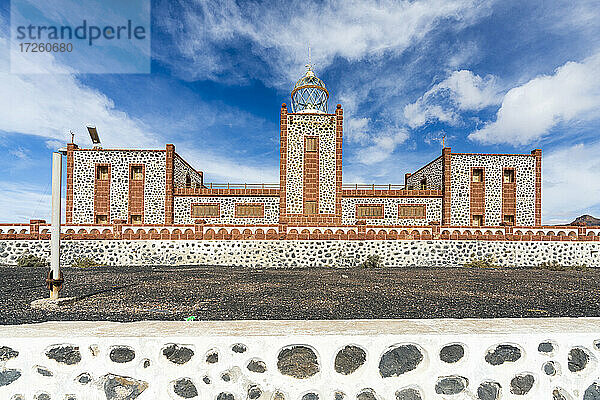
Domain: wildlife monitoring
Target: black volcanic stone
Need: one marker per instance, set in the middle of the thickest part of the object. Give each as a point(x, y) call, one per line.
point(578, 359)
point(254, 392)
point(43, 371)
point(399, 360)
point(178, 354)
point(226, 377)
point(488, 391)
point(6, 353)
point(451, 385)
point(298, 361)
point(64, 354)
point(225, 396)
point(339, 395)
point(549, 368)
point(452, 353)
point(408, 394)
point(257, 366)
point(8, 376)
point(557, 394)
point(592, 392)
point(206, 380)
point(118, 387)
point(349, 359)
point(42, 396)
point(545, 347)
point(212, 357)
point(521, 384)
point(122, 354)
point(239, 348)
point(146, 363)
point(84, 378)
point(366, 394)
point(185, 388)
point(310, 396)
point(503, 353)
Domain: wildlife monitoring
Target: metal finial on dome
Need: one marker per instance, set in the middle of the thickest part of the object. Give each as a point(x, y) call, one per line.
point(309, 93)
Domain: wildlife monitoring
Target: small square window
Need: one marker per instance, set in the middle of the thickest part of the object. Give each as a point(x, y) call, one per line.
point(477, 175)
point(311, 144)
point(423, 184)
point(136, 219)
point(137, 173)
point(509, 219)
point(310, 207)
point(477, 220)
point(102, 172)
point(101, 219)
point(508, 176)
point(205, 210)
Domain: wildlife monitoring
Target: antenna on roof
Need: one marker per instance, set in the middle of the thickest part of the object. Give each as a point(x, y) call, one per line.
point(93, 135)
point(310, 64)
point(441, 139)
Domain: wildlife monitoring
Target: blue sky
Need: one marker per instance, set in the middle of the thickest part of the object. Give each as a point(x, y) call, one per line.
point(493, 76)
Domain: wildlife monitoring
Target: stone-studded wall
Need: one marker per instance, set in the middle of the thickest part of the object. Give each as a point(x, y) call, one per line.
point(119, 160)
point(552, 358)
point(180, 171)
point(493, 165)
point(308, 253)
point(183, 210)
point(432, 172)
point(433, 209)
point(298, 127)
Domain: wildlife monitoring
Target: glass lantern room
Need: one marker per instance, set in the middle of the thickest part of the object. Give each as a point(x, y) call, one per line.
point(309, 94)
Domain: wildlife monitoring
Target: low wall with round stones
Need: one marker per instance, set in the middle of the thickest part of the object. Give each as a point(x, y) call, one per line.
point(554, 358)
point(308, 253)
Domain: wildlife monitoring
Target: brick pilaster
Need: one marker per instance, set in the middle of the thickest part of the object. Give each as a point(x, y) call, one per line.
point(169, 206)
point(339, 133)
point(446, 189)
point(282, 162)
point(537, 153)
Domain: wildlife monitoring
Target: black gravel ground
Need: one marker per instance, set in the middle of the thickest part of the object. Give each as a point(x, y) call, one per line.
point(224, 293)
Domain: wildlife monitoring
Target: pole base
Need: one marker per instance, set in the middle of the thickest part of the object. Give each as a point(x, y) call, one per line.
point(52, 304)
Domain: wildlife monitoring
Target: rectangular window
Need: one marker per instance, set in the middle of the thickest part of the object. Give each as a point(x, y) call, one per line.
point(136, 219)
point(369, 211)
point(411, 211)
point(477, 175)
point(101, 219)
point(477, 220)
point(137, 173)
point(508, 176)
point(509, 219)
point(205, 210)
point(102, 172)
point(310, 207)
point(249, 210)
point(311, 144)
point(423, 183)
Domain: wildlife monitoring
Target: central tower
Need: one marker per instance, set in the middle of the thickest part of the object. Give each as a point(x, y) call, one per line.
point(311, 157)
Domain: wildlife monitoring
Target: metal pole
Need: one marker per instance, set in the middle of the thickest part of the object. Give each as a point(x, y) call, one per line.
point(55, 232)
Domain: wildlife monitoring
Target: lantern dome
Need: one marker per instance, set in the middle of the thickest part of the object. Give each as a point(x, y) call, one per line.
point(309, 94)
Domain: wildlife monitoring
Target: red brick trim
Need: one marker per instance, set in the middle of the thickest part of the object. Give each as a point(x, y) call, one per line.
point(537, 153)
point(509, 196)
point(413, 204)
point(169, 176)
point(136, 193)
point(369, 205)
point(70, 170)
point(310, 181)
point(283, 124)
point(446, 186)
point(262, 206)
point(339, 134)
point(132, 150)
point(390, 193)
point(205, 204)
point(102, 193)
point(477, 196)
point(208, 192)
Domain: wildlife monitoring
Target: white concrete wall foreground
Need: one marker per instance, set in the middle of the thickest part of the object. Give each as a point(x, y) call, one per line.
point(553, 358)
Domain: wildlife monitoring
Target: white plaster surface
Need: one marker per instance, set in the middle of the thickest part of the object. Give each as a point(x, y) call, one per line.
point(265, 339)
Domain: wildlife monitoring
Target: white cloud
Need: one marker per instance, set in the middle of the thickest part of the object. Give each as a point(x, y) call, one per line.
point(354, 30)
point(530, 111)
point(571, 182)
point(357, 129)
point(382, 147)
point(20, 202)
point(462, 90)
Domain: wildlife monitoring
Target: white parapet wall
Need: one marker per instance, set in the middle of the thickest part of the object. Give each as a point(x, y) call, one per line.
point(309, 253)
point(550, 358)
